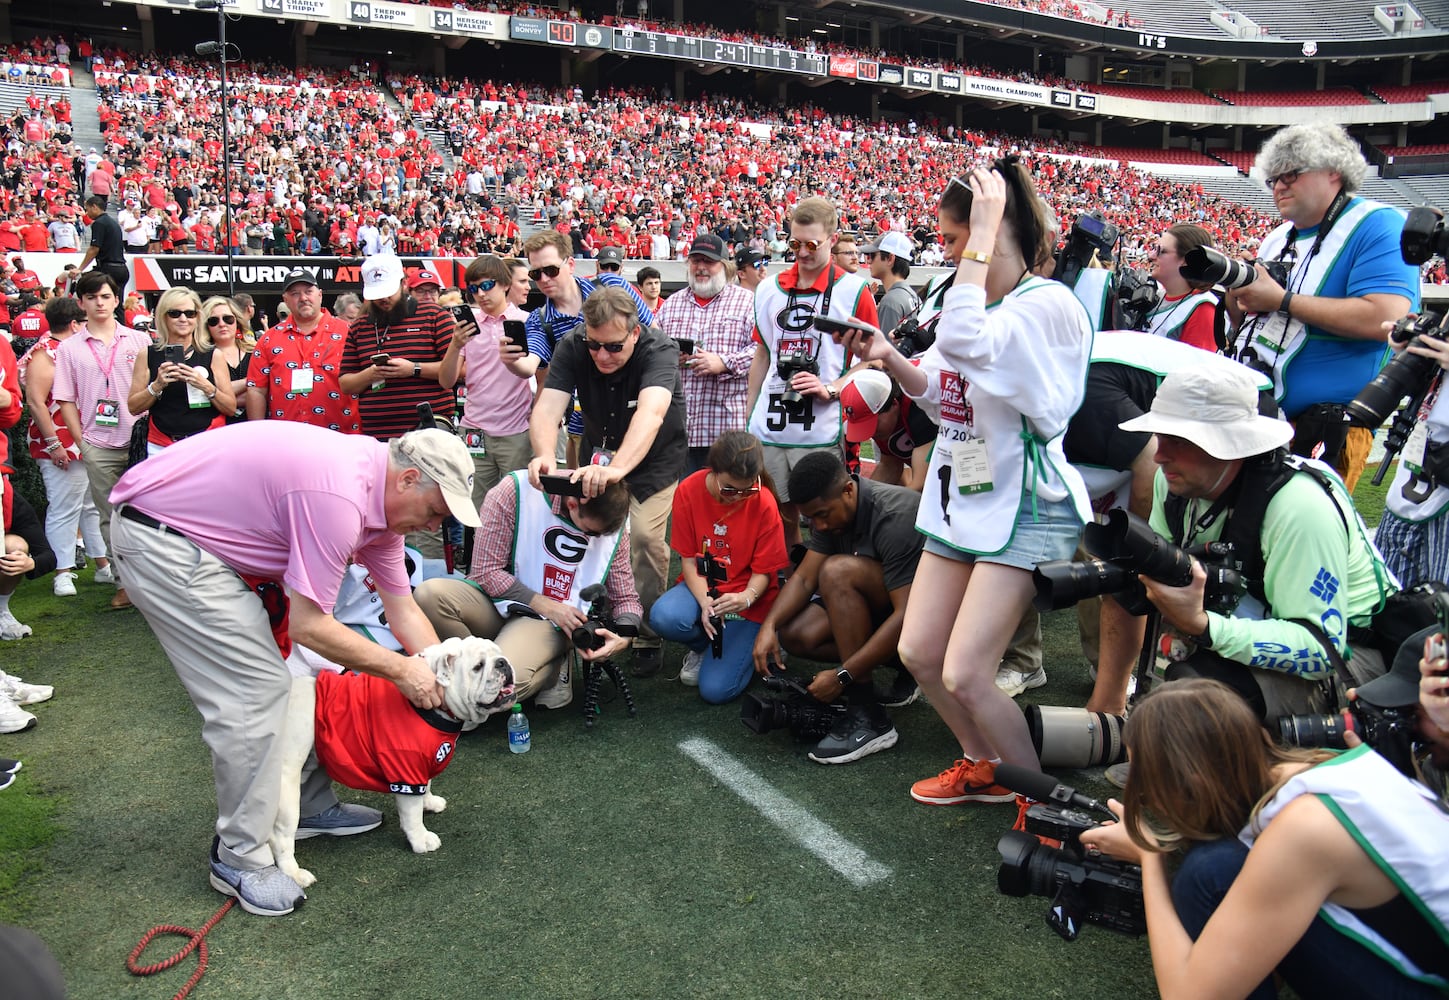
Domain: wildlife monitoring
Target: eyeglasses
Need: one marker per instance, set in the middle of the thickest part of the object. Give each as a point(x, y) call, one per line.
point(810, 246)
point(549, 271)
point(734, 491)
point(228, 319)
point(178, 313)
point(1287, 177)
point(486, 285)
point(594, 346)
point(848, 253)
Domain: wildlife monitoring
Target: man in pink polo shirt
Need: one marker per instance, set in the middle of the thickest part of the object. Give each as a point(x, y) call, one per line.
point(216, 592)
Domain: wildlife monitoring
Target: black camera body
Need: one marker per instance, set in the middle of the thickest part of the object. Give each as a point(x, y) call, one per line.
point(1091, 236)
point(911, 338)
point(1424, 235)
point(1392, 732)
point(1082, 887)
point(796, 710)
point(790, 364)
point(1137, 295)
point(601, 615)
point(1405, 375)
point(1206, 266)
point(1125, 546)
point(714, 574)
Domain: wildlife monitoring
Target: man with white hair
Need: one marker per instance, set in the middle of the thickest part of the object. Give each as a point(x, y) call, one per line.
point(716, 319)
point(1321, 335)
point(1310, 572)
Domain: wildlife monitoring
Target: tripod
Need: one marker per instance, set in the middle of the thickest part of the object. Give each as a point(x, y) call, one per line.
point(594, 671)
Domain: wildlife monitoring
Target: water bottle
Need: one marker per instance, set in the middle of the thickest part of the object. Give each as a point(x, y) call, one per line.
point(519, 739)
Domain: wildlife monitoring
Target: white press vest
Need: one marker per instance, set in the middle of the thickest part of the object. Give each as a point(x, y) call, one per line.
point(552, 556)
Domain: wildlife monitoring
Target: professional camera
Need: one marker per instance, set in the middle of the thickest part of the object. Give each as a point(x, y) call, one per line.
point(601, 615)
point(1423, 236)
point(1075, 737)
point(1206, 266)
point(1091, 238)
point(1124, 545)
point(1390, 731)
point(790, 364)
point(910, 337)
point(1137, 295)
point(1082, 887)
point(798, 710)
point(1406, 375)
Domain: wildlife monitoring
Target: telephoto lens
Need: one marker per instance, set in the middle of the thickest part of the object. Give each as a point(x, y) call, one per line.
point(1075, 737)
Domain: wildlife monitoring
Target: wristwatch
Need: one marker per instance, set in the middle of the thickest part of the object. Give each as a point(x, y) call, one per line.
point(417, 371)
point(1205, 639)
point(843, 676)
point(832, 392)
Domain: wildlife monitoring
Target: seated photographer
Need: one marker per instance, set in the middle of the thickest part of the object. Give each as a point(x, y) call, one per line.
point(533, 557)
point(725, 516)
point(1414, 533)
point(1416, 684)
point(1330, 869)
point(1310, 571)
point(847, 600)
point(26, 553)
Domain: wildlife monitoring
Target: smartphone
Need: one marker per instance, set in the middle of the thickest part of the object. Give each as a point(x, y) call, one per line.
point(831, 325)
point(381, 359)
point(561, 486)
point(517, 333)
point(686, 346)
point(464, 314)
point(173, 354)
point(1438, 645)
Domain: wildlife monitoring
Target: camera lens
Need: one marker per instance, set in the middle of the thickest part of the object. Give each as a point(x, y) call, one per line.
point(1062, 583)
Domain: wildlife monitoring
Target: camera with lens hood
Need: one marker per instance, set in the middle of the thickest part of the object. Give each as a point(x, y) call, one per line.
point(790, 364)
point(601, 615)
point(796, 709)
point(1206, 266)
point(1092, 240)
point(1390, 731)
point(1137, 295)
point(1075, 737)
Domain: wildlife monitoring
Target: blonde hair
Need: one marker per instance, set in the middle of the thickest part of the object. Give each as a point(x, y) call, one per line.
point(244, 335)
point(816, 211)
point(173, 298)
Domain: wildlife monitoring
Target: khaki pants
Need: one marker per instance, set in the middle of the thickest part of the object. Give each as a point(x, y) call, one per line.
point(533, 646)
point(501, 455)
point(649, 553)
point(104, 466)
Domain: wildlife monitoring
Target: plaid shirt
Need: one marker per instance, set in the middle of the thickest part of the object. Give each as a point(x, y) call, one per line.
point(714, 404)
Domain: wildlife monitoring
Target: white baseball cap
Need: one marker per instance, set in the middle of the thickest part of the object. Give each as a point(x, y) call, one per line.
point(861, 401)
point(382, 275)
point(891, 242)
point(445, 460)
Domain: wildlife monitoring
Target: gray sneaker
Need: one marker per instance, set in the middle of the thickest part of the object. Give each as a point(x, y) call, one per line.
point(342, 820)
point(263, 891)
point(854, 736)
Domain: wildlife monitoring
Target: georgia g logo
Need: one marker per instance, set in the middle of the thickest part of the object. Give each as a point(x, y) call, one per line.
point(565, 545)
point(796, 317)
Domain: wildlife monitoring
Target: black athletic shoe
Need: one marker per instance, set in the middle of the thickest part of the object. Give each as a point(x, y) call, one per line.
point(903, 691)
point(647, 660)
point(854, 736)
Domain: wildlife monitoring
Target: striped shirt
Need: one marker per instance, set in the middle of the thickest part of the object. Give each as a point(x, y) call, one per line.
point(422, 337)
point(722, 325)
point(87, 371)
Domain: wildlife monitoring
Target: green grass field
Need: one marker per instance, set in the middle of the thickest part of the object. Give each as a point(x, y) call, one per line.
point(602, 864)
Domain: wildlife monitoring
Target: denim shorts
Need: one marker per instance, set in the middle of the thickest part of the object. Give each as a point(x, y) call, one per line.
point(1053, 534)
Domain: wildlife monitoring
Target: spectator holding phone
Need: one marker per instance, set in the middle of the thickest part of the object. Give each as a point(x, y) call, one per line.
point(185, 390)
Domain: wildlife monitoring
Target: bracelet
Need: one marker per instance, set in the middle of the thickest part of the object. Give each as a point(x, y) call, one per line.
point(213, 394)
point(152, 390)
point(54, 445)
point(749, 598)
point(1283, 307)
point(52, 439)
point(980, 258)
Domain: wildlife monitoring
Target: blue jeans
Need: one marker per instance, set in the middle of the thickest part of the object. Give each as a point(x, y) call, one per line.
point(675, 616)
point(1324, 963)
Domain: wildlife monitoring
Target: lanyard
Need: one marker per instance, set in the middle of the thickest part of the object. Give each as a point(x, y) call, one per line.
point(110, 363)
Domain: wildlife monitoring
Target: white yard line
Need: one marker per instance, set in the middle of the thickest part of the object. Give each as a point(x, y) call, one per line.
point(816, 836)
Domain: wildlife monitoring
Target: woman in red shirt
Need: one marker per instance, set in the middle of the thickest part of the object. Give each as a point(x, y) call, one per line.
point(721, 511)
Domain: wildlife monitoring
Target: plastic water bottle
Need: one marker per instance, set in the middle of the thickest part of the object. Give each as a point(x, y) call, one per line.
point(519, 739)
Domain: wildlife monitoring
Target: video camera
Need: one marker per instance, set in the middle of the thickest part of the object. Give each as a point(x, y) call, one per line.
point(600, 615)
point(787, 366)
point(1137, 295)
point(1092, 238)
point(1206, 266)
point(1081, 886)
point(799, 711)
point(1124, 546)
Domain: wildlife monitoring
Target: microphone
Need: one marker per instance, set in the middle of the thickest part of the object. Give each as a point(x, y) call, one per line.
point(207, 5)
point(207, 48)
point(1045, 788)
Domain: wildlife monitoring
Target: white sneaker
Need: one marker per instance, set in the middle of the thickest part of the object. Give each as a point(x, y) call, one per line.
point(10, 628)
point(13, 719)
point(689, 669)
point(64, 584)
point(24, 694)
point(1015, 682)
point(1131, 679)
point(105, 574)
point(561, 692)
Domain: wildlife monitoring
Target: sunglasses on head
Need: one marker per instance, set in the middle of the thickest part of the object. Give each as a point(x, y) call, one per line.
point(810, 246)
point(594, 346)
point(178, 313)
point(550, 271)
point(486, 285)
point(227, 318)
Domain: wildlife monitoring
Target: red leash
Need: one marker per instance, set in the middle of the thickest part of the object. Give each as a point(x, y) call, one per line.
point(196, 941)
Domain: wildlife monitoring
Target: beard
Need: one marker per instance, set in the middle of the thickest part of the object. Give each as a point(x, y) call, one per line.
point(390, 316)
point(710, 287)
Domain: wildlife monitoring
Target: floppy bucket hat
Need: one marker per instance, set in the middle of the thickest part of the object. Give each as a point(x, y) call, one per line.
point(1216, 409)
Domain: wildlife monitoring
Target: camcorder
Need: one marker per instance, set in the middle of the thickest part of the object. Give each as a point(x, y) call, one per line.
point(796, 709)
point(600, 615)
point(1092, 238)
point(1124, 546)
point(1083, 888)
point(1137, 295)
point(790, 364)
point(1206, 266)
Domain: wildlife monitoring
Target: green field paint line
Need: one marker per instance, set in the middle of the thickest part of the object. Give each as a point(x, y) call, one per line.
point(816, 836)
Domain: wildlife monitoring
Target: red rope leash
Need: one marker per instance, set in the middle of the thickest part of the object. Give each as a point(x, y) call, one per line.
point(196, 941)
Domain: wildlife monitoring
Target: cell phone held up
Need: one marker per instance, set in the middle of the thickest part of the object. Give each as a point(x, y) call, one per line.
point(173, 354)
point(561, 486)
point(1436, 651)
point(463, 315)
point(517, 333)
point(838, 327)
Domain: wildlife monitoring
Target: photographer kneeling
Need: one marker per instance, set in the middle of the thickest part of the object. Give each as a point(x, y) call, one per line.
point(532, 559)
point(1310, 571)
point(1330, 869)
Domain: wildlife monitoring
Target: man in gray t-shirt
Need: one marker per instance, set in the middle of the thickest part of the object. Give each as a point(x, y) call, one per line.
point(889, 260)
point(846, 601)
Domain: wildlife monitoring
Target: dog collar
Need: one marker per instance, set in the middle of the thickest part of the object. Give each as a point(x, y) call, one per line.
point(440, 719)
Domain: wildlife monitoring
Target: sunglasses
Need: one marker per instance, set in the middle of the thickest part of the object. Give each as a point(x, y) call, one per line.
point(551, 271)
point(610, 267)
point(1287, 177)
point(760, 265)
point(178, 313)
point(810, 245)
point(594, 346)
point(228, 319)
point(732, 491)
point(486, 285)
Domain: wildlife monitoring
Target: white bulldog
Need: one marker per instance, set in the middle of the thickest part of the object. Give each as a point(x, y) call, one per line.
point(368, 736)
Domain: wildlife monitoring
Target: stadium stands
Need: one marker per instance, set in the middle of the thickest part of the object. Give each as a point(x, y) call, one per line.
point(1340, 20)
point(1137, 93)
point(1411, 93)
point(1329, 97)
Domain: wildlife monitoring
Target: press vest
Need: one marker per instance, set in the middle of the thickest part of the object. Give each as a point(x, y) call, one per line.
point(550, 555)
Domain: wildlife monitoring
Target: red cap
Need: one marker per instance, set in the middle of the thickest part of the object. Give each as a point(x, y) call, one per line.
point(861, 401)
point(422, 276)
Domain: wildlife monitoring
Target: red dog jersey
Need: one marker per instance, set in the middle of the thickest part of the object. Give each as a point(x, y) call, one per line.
point(368, 736)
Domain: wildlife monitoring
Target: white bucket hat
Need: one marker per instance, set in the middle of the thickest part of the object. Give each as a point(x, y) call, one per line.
point(1215, 408)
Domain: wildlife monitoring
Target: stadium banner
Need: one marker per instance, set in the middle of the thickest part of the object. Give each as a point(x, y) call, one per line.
point(311, 10)
point(527, 29)
point(949, 83)
point(470, 23)
point(920, 79)
point(386, 15)
point(843, 66)
point(892, 76)
point(206, 275)
point(1007, 90)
